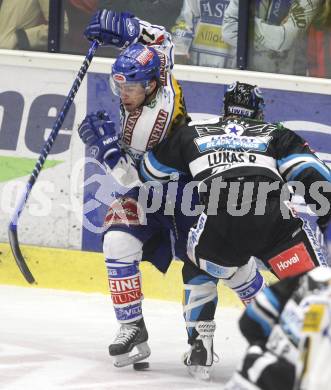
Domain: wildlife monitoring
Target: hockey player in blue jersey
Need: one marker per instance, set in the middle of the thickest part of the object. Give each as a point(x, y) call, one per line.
point(152, 108)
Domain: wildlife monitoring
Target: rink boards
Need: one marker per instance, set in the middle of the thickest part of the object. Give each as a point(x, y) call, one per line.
point(70, 198)
point(85, 271)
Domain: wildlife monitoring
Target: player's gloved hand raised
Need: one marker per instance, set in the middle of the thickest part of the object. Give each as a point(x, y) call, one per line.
point(98, 132)
point(113, 28)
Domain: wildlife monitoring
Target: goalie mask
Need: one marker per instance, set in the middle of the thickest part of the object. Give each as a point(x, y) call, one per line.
point(243, 100)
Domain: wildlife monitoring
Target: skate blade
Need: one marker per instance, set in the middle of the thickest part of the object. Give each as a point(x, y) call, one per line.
point(140, 352)
point(201, 373)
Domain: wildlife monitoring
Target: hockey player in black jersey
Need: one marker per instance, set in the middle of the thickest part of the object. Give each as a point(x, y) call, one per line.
point(242, 166)
point(288, 328)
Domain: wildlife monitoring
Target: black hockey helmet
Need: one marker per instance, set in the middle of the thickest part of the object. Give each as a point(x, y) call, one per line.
point(243, 100)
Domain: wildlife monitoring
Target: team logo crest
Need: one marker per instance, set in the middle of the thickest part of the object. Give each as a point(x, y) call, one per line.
point(234, 129)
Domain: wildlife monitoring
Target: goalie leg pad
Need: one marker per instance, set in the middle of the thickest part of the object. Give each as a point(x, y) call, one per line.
point(247, 282)
point(123, 253)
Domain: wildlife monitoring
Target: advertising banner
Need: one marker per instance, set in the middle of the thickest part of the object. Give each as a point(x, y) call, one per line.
point(306, 113)
point(72, 195)
point(30, 101)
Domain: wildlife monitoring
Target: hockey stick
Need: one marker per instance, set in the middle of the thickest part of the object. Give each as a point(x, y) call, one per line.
point(12, 228)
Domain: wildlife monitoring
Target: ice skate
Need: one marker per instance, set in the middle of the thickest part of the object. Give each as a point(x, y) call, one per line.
point(130, 344)
point(200, 358)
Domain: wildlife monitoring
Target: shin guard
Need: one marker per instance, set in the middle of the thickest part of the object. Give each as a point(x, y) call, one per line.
point(200, 302)
point(125, 288)
point(247, 282)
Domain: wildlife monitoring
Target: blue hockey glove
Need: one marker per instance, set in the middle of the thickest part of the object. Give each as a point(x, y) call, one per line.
point(98, 132)
point(113, 28)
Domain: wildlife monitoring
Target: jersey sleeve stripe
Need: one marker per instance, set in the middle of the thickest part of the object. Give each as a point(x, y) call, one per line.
point(271, 297)
point(285, 163)
point(293, 173)
point(152, 169)
point(143, 173)
point(265, 310)
point(156, 167)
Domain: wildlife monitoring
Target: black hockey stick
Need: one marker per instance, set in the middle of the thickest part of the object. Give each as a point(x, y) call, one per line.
point(12, 228)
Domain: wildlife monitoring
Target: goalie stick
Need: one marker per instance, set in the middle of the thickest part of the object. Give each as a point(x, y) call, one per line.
point(12, 228)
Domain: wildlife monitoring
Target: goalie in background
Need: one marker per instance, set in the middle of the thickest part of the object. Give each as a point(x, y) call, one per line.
point(288, 328)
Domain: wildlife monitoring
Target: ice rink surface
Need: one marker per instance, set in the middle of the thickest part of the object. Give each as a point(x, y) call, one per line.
point(52, 339)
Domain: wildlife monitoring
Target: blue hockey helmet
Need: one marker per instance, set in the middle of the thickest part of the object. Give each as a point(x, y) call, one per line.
point(243, 100)
point(137, 64)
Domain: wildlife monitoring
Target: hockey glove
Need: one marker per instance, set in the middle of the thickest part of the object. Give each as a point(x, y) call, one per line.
point(98, 133)
point(119, 29)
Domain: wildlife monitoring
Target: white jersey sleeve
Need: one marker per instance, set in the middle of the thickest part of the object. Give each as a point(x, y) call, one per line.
point(125, 172)
point(159, 38)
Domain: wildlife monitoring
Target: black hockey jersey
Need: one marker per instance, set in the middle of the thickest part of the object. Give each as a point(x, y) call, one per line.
point(232, 148)
point(288, 328)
